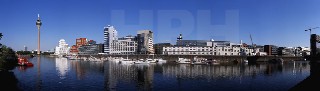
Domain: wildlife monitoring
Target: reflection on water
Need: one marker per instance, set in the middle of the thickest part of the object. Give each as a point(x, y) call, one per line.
point(142, 75)
point(62, 66)
point(231, 71)
point(109, 75)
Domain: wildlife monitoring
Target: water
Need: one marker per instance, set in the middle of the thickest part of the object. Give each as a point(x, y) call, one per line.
point(61, 74)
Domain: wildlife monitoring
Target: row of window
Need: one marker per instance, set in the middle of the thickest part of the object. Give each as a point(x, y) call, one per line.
point(230, 50)
point(200, 53)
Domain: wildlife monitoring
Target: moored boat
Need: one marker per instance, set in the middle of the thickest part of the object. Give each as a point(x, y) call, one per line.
point(22, 61)
point(183, 61)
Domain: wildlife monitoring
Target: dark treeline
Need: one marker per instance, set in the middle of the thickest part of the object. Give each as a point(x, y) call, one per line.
point(8, 57)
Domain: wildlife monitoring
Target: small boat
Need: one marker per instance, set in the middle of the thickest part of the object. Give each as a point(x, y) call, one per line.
point(160, 60)
point(151, 60)
point(183, 61)
point(197, 60)
point(22, 61)
point(126, 61)
point(141, 61)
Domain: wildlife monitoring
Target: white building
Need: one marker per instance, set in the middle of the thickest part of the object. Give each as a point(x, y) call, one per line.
point(124, 45)
point(212, 48)
point(62, 48)
point(110, 34)
point(115, 45)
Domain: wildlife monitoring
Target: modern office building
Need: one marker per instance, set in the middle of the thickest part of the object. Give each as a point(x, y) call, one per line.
point(158, 48)
point(145, 42)
point(91, 48)
point(124, 45)
point(79, 42)
point(110, 34)
point(62, 48)
point(271, 49)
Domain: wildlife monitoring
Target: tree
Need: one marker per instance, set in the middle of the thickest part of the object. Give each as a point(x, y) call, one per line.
point(1, 36)
point(0, 39)
point(8, 57)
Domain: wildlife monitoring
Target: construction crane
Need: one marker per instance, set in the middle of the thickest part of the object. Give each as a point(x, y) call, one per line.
point(253, 47)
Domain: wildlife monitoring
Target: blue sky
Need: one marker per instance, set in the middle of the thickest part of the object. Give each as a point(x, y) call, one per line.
point(277, 22)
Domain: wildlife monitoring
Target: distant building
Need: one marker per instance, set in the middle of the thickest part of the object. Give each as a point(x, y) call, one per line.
point(25, 48)
point(304, 51)
point(110, 34)
point(74, 49)
point(124, 45)
point(79, 42)
point(207, 50)
point(90, 48)
point(62, 48)
point(293, 51)
point(145, 42)
point(159, 47)
point(271, 49)
point(192, 42)
point(206, 47)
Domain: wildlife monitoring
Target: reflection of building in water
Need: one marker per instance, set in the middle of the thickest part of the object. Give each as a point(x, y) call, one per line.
point(84, 67)
point(79, 70)
point(145, 77)
point(62, 67)
point(228, 71)
point(202, 71)
point(115, 73)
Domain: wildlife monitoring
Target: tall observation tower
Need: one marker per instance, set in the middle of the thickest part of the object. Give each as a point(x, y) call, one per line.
point(38, 23)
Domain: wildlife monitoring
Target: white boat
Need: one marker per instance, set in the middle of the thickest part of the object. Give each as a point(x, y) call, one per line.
point(160, 60)
point(92, 58)
point(197, 60)
point(116, 59)
point(141, 61)
point(183, 61)
point(73, 57)
point(126, 61)
point(151, 60)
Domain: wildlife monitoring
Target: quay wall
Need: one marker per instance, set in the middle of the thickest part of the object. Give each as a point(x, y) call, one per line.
point(220, 58)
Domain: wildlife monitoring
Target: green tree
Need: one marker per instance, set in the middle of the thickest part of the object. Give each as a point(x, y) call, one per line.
point(8, 57)
point(0, 39)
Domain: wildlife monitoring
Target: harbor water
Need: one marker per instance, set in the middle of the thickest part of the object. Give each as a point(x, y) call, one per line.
point(61, 74)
